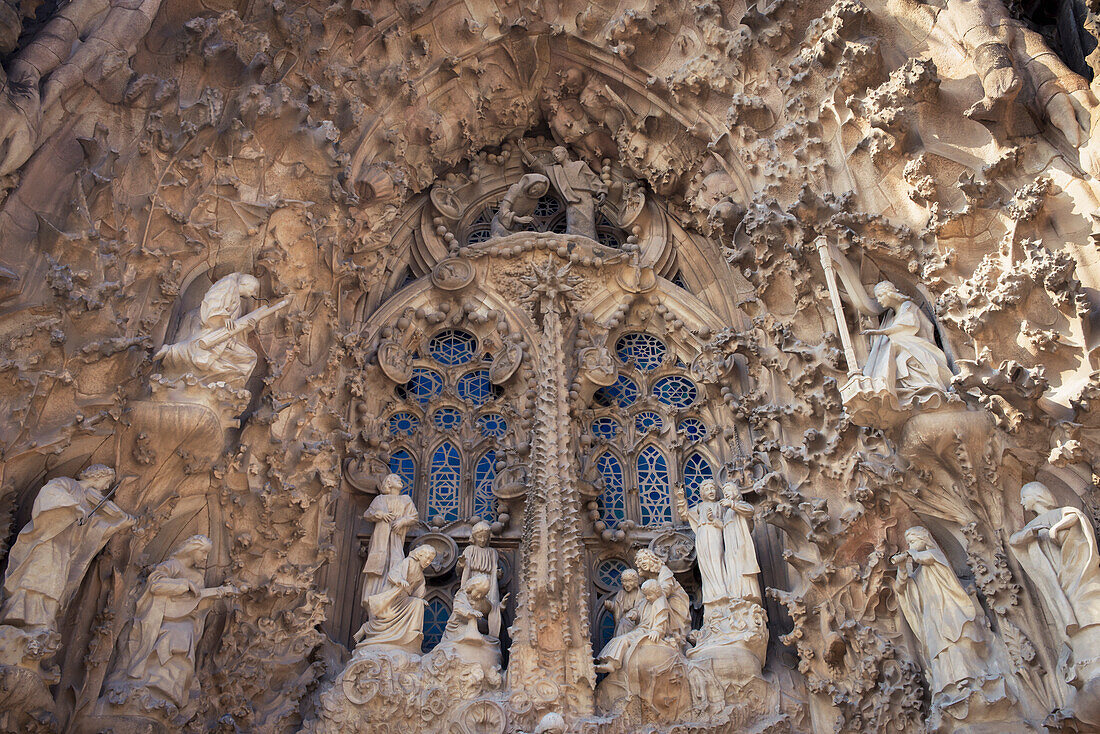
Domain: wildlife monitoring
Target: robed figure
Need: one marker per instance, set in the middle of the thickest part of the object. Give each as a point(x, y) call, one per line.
point(479, 558)
point(577, 183)
point(395, 617)
point(625, 606)
point(1058, 551)
point(942, 616)
point(159, 651)
point(230, 359)
point(654, 625)
point(393, 514)
point(904, 355)
point(651, 566)
point(706, 520)
point(739, 551)
point(53, 551)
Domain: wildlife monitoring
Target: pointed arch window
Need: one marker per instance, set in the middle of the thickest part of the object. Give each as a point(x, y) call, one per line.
point(436, 614)
point(653, 489)
point(443, 483)
point(403, 465)
point(485, 501)
point(613, 498)
point(696, 469)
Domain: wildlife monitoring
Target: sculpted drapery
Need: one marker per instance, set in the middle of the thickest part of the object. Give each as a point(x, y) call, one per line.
point(393, 514)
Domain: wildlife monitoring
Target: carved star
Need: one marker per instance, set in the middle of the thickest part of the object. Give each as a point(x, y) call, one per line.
point(551, 288)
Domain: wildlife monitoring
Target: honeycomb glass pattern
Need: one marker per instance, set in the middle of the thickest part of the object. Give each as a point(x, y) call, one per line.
point(424, 385)
point(606, 428)
point(402, 464)
point(696, 469)
point(653, 489)
point(476, 388)
point(646, 351)
point(675, 390)
point(693, 429)
point(609, 571)
point(403, 423)
point(436, 614)
point(443, 482)
point(446, 419)
point(647, 421)
point(485, 502)
point(492, 425)
point(452, 347)
point(612, 498)
point(622, 393)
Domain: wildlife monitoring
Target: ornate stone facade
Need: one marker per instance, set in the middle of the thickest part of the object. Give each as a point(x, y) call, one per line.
point(549, 367)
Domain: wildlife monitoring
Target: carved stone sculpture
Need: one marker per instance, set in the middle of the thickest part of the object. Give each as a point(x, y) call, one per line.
point(951, 630)
point(396, 614)
point(1057, 549)
point(393, 514)
point(625, 605)
point(156, 662)
point(739, 559)
point(71, 521)
point(707, 520)
point(479, 558)
point(518, 204)
point(651, 567)
point(463, 637)
point(578, 185)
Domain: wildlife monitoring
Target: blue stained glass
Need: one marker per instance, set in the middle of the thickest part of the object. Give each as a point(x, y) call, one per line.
point(402, 464)
point(403, 423)
point(446, 419)
point(646, 351)
point(452, 347)
point(647, 421)
point(613, 499)
point(436, 614)
point(675, 390)
point(492, 425)
point(478, 233)
point(623, 393)
point(653, 487)
point(609, 571)
point(606, 428)
point(696, 469)
point(678, 279)
point(475, 387)
point(693, 429)
point(485, 501)
point(443, 482)
point(424, 385)
point(605, 628)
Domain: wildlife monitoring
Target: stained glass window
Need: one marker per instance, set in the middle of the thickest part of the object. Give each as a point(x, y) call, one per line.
point(647, 421)
point(678, 279)
point(605, 427)
point(452, 347)
point(475, 387)
point(402, 464)
point(605, 628)
point(547, 206)
point(424, 385)
point(446, 419)
point(403, 423)
point(675, 390)
point(436, 614)
point(613, 499)
point(696, 469)
point(443, 483)
point(693, 429)
point(653, 489)
point(646, 351)
point(609, 571)
point(492, 425)
point(623, 393)
point(485, 502)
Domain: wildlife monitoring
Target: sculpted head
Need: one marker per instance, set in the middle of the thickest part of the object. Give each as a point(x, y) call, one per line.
point(194, 551)
point(536, 186)
point(561, 155)
point(919, 538)
point(651, 589)
point(423, 554)
point(648, 561)
point(249, 286)
point(480, 534)
point(1036, 497)
point(888, 295)
point(708, 490)
point(731, 491)
point(552, 723)
point(97, 476)
point(393, 484)
point(477, 586)
point(630, 579)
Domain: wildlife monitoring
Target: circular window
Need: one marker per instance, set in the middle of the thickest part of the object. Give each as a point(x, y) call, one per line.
point(623, 392)
point(693, 429)
point(646, 351)
point(424, 385)
point(605, 428)
point(608, 573)
point(476, 388)
point(647, 421)
point(492, 425)
point(675, 390)
point(446, 419)
point(452, 347)
point(403, 423)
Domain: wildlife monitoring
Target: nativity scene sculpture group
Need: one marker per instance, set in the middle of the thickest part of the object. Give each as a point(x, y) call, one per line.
point(656, 668)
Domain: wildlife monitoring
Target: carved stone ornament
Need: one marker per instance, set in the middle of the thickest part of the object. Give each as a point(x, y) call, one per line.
point(446, 203)
point(505, 363)
point(446, 552)
point(395, 360)
point(676, 548)
point(452, 274)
